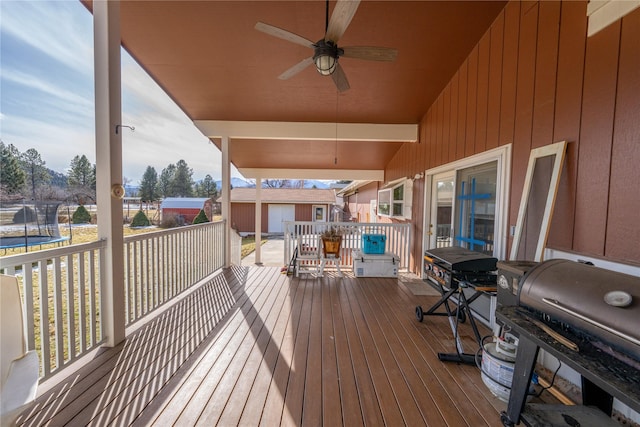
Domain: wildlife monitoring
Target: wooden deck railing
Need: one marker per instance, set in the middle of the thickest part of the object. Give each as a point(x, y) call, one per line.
point(158, 266)
point(61, 293)
point(397, 237)
point(161, 264)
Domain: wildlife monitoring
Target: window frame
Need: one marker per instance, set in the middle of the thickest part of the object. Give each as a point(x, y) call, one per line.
point(503, 156)
point(403, 202)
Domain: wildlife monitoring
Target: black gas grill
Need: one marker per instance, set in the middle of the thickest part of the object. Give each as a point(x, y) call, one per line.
point(451, 271)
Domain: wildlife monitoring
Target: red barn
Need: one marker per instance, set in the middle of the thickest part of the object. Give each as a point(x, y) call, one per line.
point(187, 207)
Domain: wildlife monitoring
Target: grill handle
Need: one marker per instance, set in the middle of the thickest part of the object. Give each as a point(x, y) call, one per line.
point(557, 304)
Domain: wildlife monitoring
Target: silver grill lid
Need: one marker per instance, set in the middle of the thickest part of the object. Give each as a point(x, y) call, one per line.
point(602, 303)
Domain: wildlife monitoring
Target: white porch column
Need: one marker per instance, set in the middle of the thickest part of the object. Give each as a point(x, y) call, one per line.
point(106, 27)
point(258, 251)
point(226, 199)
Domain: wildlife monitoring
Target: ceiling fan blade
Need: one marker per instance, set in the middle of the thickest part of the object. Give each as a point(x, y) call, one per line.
point(340, 79)
point(296, 69)
point(283, 34)
point(370, 53)
point(340, 19)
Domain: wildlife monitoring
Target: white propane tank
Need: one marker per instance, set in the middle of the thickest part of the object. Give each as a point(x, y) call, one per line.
point(498, 361)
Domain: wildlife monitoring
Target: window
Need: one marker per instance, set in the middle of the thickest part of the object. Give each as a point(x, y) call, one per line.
point(395, 201)
point(384, 202)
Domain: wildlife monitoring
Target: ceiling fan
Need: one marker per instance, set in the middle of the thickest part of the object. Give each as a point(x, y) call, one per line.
point(326, 51)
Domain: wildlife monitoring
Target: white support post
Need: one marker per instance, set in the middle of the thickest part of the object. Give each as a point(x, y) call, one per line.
point(258, 250)
point(106, 26)
point(226, 199)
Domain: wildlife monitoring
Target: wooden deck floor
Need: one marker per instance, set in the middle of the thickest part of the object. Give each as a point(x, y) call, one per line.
point(254, 347)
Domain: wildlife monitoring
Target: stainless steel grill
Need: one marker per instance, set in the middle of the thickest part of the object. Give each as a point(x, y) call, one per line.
point(601, 303)
point(587, 317)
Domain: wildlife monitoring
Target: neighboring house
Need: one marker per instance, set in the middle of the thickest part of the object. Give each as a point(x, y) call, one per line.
point(187, 207)
point(279, 205)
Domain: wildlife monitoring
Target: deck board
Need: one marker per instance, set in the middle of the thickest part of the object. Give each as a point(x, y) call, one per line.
point(251, 346)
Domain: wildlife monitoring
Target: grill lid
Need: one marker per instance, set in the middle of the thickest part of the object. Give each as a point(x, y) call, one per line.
point(602, 303)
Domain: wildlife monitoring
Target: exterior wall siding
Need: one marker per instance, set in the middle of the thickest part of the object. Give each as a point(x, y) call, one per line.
point(534, 78)
point(243, 215)
point(303, 212)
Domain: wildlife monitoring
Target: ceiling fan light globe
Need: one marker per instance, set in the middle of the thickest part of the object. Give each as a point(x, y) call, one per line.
point(325, 64)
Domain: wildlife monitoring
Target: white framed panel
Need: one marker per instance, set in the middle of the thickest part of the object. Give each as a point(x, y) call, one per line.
point(501, 155)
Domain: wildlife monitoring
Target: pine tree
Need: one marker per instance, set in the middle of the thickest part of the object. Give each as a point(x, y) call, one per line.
point(149, 191)
point(165, 183)
point(207, 188)
point(81, 179)
point(34, 167)
point(81, 216)
point(140, 220)
point(200, 218)
point(12, 177)
point(182, 180)
point(80, 172)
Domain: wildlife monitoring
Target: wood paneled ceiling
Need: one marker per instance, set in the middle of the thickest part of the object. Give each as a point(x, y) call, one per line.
point(209, 58)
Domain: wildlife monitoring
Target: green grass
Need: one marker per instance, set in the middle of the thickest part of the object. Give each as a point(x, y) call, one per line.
point(249, 245)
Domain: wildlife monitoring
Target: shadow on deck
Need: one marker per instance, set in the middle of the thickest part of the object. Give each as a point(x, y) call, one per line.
point(252, 346)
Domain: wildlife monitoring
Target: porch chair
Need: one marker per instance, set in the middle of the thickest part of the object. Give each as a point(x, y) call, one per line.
point(308, 254)
point(19, 368)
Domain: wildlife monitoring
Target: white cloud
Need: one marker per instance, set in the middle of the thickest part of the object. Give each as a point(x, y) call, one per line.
point(64, 126)
point(62, 30)
point(47, 88)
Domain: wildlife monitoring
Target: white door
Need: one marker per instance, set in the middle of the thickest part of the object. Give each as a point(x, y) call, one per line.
point(278, 214)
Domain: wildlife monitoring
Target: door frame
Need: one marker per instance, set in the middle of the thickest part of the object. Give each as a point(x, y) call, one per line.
point(503, 182)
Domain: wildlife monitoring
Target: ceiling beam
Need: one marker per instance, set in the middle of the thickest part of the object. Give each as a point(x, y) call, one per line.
point(330, 174)
point(309, 131)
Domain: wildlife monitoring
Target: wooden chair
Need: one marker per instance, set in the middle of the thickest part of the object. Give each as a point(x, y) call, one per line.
point(19, 368)
point(308, 254)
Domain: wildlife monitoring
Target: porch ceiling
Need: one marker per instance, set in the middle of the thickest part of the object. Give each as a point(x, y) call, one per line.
point(209, 58)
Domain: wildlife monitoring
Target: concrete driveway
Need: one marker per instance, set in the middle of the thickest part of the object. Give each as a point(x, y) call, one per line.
point(272, 253)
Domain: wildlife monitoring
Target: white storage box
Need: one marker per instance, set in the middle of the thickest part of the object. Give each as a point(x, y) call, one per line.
point(375, 265)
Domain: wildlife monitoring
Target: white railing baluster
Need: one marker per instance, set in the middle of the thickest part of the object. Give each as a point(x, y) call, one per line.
point(57, 311)
point(92, 299)
point(27, 285)
point(45, 342)
point(71, 308)
point(82, 303)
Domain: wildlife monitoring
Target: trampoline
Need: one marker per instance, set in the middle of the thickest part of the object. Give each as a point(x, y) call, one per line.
point(24, 224)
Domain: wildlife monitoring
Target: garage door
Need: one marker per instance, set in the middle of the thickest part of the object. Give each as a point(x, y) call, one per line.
point(278, 214)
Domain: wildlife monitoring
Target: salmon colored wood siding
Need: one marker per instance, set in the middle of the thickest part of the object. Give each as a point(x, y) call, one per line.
point(533, 79)
point(358, 205)
point(304, 212)
point(624, 189)
point(594, 159)
point(243, 215)
point(568, 108)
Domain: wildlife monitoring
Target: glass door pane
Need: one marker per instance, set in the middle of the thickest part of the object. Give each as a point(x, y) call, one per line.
point(440, 228)
point(476, 207)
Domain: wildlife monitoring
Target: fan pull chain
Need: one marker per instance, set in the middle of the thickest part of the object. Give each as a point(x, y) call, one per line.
point(335, 159)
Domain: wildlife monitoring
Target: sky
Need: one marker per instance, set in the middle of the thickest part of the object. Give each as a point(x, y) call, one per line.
point(47, 96)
